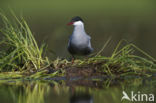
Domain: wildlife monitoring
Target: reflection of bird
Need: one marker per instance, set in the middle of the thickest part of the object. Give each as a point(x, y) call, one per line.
point(81, 98)
point(125, 96)
point(79, 41)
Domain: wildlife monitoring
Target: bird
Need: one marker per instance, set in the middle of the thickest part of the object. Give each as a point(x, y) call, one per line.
point(79, 42)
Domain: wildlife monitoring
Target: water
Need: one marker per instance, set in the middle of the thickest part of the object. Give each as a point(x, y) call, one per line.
point(102, 90)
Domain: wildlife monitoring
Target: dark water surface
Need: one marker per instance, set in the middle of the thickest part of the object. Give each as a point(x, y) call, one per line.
point(76, 91)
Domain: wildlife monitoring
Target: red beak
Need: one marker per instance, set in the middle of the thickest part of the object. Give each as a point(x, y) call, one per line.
point(70, 23)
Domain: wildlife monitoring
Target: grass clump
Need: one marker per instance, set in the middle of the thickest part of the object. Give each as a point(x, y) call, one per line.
point(122, 62)
point(19, 49)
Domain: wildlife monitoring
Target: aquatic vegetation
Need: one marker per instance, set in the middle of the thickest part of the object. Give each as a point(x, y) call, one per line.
point(20, 49)
point(122, 62)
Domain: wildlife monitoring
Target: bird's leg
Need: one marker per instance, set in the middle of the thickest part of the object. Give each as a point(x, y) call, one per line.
point(73, 58)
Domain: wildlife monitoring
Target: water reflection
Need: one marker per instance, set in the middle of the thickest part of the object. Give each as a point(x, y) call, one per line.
point(82, 91)
point(81, 98)
point(33, 93)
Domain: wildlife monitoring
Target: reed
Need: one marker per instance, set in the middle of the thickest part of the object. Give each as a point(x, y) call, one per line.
point(19, 49)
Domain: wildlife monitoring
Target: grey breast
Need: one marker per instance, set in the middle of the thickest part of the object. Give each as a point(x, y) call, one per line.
point(79, 44)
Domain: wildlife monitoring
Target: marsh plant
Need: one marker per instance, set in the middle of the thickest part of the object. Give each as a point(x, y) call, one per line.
point(19, 49)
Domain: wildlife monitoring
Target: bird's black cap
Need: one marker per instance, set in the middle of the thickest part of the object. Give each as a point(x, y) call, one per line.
point(76, 18)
